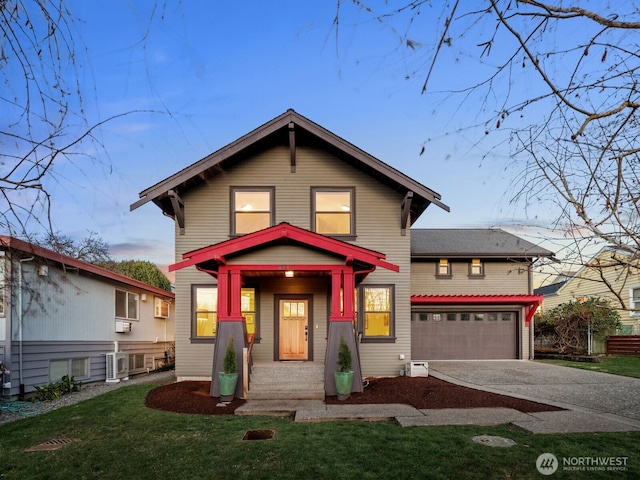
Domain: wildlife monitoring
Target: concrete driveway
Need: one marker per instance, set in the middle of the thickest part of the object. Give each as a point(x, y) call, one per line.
point(570, 388)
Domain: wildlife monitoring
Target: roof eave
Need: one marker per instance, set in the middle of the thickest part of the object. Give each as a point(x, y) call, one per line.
point(423, 196)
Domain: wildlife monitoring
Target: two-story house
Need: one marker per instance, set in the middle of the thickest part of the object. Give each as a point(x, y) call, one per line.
point(61, 316)
point(300, 238)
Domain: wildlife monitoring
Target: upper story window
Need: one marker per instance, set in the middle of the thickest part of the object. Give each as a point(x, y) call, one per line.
point(476, 269)
point(252, 209)
point(443, 268)
point(333, 211)
point(127, 305)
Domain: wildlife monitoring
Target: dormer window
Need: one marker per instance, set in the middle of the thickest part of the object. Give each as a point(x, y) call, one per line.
point(252, 209)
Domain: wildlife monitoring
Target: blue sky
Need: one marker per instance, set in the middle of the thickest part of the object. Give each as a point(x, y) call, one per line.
point(199, 74)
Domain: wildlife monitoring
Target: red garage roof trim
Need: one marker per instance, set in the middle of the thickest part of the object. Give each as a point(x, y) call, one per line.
point(283, 232)
point(531, 302)
point(487, 299)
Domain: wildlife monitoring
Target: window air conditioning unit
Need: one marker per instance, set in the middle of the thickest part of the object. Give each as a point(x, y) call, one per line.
point(117, 366)
point(123, 327)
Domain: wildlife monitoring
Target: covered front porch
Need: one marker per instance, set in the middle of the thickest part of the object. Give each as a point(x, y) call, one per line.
point(301, 311)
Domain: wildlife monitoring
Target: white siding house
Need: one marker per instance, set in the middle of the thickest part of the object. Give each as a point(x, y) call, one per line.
point(61, 316)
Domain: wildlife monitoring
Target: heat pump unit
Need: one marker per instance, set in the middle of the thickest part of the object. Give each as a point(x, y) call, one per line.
point(117, 366)
point(123, 327)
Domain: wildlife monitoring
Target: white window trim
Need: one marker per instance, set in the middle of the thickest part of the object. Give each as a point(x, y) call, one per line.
point(127, 317)
point(632, 303)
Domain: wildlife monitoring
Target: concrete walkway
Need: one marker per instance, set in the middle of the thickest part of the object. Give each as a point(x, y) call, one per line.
point(595, 402)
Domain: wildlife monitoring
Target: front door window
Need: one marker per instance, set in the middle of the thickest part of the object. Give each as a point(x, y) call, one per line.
point(294, 329)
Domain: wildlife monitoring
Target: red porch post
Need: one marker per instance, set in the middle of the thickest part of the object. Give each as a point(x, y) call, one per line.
point(231, 324)
point(342, 326)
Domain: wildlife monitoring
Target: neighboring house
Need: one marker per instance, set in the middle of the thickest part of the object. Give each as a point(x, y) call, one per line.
point(274, 228)
point(61, 316)
point(471, 294)
point(607, 275)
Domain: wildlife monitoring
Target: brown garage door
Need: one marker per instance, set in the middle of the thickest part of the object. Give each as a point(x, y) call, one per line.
point(464, 335)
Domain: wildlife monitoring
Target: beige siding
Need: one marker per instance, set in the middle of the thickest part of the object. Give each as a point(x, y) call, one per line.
point(501, 278)
point(377, 227)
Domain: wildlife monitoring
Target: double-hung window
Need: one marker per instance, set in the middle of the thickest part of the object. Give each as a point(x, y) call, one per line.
point(252, 209)
point(205, 310)
point(377, 312)
point(127, 305)
point(204, 300)
point(333, 210)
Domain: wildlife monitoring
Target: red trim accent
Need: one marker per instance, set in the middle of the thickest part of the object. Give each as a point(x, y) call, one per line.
point(283, 231)
point(531, 302)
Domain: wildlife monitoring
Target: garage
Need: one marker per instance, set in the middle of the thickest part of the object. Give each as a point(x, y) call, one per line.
point(464, 335)
point(470, 327)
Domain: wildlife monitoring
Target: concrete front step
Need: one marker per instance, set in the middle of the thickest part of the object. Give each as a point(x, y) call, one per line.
point(287, 381)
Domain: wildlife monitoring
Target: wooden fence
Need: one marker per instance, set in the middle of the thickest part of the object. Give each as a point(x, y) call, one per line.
point(623, 345)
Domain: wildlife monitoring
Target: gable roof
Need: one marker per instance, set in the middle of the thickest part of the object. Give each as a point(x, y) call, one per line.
point(283, 233)
point(607, 252)
point(473, 242)
point(14, 244)
point(277, 132)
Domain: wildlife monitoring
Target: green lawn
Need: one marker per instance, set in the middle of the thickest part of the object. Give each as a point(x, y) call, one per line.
point(119, 438)
point(620, 365)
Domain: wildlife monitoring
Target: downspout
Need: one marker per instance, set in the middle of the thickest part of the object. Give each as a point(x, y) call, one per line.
point(20, 374)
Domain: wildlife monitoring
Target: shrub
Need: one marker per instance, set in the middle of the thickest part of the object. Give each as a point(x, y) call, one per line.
point(229, 363)
point(571, 320)
point(344, 356)
point(55, 390)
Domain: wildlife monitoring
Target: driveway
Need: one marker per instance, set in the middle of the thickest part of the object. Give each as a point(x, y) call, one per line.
point(570, 388)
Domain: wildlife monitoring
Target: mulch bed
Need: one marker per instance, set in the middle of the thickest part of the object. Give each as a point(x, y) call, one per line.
point(419, 392)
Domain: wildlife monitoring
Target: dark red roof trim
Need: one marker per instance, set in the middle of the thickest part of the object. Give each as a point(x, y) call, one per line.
point(70, 262)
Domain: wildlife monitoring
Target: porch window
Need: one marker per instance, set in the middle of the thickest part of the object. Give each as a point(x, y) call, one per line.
point(205, 310)
point(377, 317)
point(252, 209)
point(333, 211)
point(126, 305)
point(249, 309)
